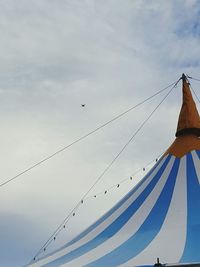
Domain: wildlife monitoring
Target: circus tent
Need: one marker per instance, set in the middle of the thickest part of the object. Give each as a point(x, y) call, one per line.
point(159, 217)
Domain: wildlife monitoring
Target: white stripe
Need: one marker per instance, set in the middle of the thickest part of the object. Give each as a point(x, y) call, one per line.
point(129, 229)
point(196, 163)
point(170, 242)
point(92, 234)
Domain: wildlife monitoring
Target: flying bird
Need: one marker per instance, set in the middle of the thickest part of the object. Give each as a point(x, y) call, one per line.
point(83, 105)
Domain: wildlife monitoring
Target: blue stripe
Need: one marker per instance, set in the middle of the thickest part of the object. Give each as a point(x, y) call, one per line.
point(117, 206)
point(198, 153)
point(114, 227)
point(192, 247)
point(148, 230)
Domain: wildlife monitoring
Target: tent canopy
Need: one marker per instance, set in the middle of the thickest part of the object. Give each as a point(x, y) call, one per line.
point(159, 217)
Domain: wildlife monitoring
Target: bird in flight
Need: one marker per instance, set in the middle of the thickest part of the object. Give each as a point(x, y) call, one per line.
point(83, 105)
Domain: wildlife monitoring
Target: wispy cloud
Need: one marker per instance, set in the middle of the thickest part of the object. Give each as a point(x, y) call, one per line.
point(56, 55)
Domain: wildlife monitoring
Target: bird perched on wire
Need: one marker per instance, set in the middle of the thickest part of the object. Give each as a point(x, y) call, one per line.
point(82, 105)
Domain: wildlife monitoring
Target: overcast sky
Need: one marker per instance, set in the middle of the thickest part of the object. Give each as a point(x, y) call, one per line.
point(108, 54)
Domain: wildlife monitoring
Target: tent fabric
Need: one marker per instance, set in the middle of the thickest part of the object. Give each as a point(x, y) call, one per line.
point(183, 145)
point(157, 218)
point(189, 120)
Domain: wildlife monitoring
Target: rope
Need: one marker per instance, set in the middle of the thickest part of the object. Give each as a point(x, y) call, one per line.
point(103, 193)
point(84, 136)
point(126, 179)
point(192, 88)
point(189, 77)
point(195, 94)
point(56, 232)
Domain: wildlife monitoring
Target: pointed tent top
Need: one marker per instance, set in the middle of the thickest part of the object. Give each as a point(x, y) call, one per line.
point(188, 128)
point(189, 120)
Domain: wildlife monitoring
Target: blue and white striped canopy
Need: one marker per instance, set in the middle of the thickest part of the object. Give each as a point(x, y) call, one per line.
point(160, 217)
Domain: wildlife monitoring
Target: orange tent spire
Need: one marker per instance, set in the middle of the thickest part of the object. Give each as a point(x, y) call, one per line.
point(188, 129)
point(189, 120)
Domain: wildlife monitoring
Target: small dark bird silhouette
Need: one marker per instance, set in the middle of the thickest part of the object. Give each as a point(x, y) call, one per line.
point(83, 105)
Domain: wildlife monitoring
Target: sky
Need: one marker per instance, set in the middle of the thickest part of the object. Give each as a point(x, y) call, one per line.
point(109, 55)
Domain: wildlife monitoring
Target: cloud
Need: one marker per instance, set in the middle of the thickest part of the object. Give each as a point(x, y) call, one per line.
point(56, 56)
point(16, 232)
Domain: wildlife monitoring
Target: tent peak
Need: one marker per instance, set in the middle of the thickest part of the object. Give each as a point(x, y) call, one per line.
point(189, 120)
point(183, 77)
point(188, 128)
